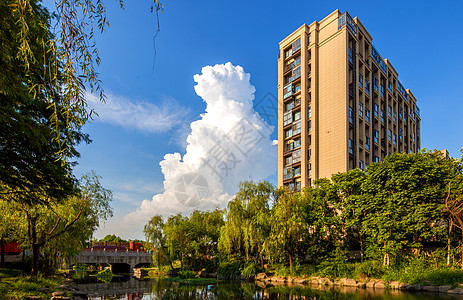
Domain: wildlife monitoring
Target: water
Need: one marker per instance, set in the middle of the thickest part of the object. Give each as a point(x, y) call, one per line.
point(132, 289)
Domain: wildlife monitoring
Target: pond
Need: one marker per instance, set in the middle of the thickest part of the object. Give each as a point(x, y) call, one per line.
point(131, 288)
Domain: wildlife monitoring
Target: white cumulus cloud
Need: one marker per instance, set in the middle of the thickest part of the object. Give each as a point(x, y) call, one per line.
point(140, 115)
point(228, 144)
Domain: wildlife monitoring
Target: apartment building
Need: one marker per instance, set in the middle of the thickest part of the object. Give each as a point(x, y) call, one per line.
point(341, 104)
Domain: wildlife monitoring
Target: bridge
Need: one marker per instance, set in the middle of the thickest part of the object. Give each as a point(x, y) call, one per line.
point(122, 261)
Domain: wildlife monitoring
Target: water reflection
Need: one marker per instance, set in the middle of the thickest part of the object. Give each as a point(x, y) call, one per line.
point(132, 288)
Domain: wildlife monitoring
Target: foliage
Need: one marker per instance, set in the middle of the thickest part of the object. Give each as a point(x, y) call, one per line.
point(61, 229)
point(229, 269)
point(247, 226)
point(105, 273)
point(336, 266)
point(112, 238)
point(368, 268)
point(18, 287)
point(185, 274)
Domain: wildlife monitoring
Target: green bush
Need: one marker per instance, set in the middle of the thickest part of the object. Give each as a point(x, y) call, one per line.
point(186, 274)
point(250, 270)
point(369, 268)
point(229, 268)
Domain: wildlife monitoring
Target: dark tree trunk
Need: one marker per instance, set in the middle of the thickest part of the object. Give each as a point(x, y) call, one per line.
point(2, 246)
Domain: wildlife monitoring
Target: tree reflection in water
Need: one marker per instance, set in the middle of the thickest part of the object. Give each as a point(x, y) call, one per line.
point(134, 289)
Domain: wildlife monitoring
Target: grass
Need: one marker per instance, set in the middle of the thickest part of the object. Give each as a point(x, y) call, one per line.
point(198, 281)
point(14, 284)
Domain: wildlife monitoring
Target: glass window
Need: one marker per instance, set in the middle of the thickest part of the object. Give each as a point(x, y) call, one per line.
point(382, 91)
point(389, 135)
point(376, 136)
point(287, 118)
point(395, 139)
point(297, 88)
point(297, 171)
point(390, 87)
point(297, 143)
point(382, 116)
point(288, 160)
point(287, 173)
point(297, 156)
point(361, 164)
point(296, 127)
point(351, 147)
point(394, 116)
point(351, 115)
point(309, 126)
point(360, 80)
point(297, 115)
point(375, 83)
point(367, 143)
point(389, 111)
point(309, 111)
point(288, 133)
point(351, 55)
point(297, 186)
point(367, 115)
point(361, 109)
point(376, 109)
point(289, 106)
point(367, 87)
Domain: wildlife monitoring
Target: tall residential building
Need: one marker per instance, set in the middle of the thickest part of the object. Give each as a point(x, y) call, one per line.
point(341, 105)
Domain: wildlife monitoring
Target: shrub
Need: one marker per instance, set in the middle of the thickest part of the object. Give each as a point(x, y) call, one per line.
point(369, 268)
point(186, 274)
point(229, 268)
point(249, 270)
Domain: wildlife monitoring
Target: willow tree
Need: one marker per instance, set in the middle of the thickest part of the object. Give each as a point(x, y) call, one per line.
point(247, 225)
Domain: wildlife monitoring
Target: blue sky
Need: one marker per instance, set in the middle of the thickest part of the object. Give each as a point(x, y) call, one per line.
point(424, 43)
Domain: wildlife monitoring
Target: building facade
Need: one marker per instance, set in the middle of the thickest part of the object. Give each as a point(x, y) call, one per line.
point(340, 104)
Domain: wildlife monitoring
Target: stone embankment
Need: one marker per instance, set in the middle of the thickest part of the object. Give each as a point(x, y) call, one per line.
point(377, 284)
point(64, 292)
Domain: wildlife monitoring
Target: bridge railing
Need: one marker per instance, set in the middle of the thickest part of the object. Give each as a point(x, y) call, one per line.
point(91, 252)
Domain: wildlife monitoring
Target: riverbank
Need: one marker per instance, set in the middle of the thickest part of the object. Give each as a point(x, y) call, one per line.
point(264, 279)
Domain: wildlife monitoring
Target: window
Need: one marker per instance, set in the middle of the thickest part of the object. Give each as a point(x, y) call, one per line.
point(288, 160)
point(287, 173)
point(297, 102)
point(375, 83)
point(287, 91)
point(309, 126)
point(389, 135)
point(289, 106)
point(297, 156)
point(367, 115)
point(400, 112)
point(297, 143)
point(297, 186)
point(413, 136)
point(390, 87)
point(360, 80)
point(400, 133)
point(361, 109)
point(394, 116)
point(297, 88)
point(376, 110)
point(351, 55)
point(376, 159)
point(309, 111)
point(351, 115)
point(297, 62)
point(351, 147)
point(297, 115)
point(287, 118)
point(309, 154)
point(389, 111)
point(309, 169)
point(382, 116)
point(376, 136)
point(297, 171)
point(296, 73)
point(382, 91)
point(367, 87)
point(367, 143)
point(288, 133)
point(297, 127)
point(395, 139)
point(361, 164)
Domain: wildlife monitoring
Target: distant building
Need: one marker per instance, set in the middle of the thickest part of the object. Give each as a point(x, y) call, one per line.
point(341, 105)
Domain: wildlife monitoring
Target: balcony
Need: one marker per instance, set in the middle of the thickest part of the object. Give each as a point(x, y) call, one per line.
point(287, 91)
